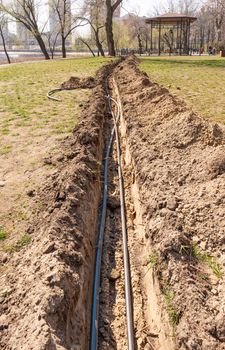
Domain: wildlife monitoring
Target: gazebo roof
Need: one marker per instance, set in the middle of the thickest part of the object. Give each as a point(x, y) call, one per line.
point(170, 18)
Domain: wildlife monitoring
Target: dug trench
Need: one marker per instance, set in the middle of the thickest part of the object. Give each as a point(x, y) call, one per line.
point(174, 172)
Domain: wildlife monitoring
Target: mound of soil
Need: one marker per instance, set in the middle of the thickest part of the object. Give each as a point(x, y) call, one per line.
point(46, 299)
point(79, 83)
point(177, 163)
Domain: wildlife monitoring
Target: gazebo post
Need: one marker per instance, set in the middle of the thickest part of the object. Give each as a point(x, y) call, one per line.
point(189, 34)
point(151, 39)
point(159, 38)
point(177, 37)
point(181, 37)
point(186, 38)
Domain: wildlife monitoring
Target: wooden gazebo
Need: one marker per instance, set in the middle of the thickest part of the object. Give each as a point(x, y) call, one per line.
point(171, 30)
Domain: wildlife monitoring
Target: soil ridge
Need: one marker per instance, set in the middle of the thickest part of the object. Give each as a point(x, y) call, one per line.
point(178, 165)
point(46, 304)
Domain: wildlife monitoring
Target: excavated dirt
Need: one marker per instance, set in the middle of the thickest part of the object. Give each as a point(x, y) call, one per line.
point(45, 299)
point(176, 161)
point(79, 83)
point(174, 176)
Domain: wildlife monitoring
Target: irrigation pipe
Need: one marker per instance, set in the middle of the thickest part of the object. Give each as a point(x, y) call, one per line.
point(51, 92)
point(128, 296)
point(96, 287)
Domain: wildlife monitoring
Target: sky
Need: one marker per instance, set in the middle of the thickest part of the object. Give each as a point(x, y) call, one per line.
point(142, 7)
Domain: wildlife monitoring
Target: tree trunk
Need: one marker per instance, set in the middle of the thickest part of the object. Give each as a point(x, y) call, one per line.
point(219, 35)
point(146, 43)
point(109, 29)
point(219, 23)
point(4, 46)
point(42, 45)
point(63, 47)
point(139, 43)
point(99, 45)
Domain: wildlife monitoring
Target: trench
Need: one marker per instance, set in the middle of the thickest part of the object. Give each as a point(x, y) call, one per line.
point(151, 323)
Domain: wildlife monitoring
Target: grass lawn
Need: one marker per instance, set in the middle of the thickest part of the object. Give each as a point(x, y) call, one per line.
point(200, 81)
point(31, 126)
point(23, 102)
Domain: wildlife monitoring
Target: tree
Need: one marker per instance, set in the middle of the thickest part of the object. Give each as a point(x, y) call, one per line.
point(217, 9)
point(210, 27)
point(139, 31)
point(52, 37)
point(111, 6)
point(136, 24)
point(67, 22)
point(187, 7)
point(26, 12)
point(3, 24)
point(168, 39)
point(122, 41)
point(93, 15)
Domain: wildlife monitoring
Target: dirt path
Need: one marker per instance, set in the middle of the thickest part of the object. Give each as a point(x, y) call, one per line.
point(174, 168)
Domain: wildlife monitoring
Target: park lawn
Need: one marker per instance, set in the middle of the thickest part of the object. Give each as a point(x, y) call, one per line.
point(200, 81)
point(31, 127)
point(23, 101)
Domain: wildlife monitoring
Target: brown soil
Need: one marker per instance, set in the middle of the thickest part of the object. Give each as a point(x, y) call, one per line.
point(176, 161)
point(173, 165)
point(43, 303)
point(79, 83)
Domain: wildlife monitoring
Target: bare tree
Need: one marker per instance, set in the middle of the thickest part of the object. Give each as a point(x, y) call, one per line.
point(209, 30)
point(26, 12)
point(67, 21)
point(217, 9)
point(168, 39)
point(138, 31)
point(3, 24)
point(93, 14)
point(52, 38)
point(111, 6)
point(187, 7)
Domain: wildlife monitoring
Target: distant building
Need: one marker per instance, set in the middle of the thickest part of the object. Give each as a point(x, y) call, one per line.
point(130, 18)
point(24, 36)
point(53, 17)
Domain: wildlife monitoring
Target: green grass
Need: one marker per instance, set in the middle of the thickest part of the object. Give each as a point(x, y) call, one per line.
point(174, 316)
point(24, 240)
point(21, 243)
point(3, 234)
point(5, 149)
point(207, 259)
point(23, 89)
point(198, 80)
point(153, 261)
